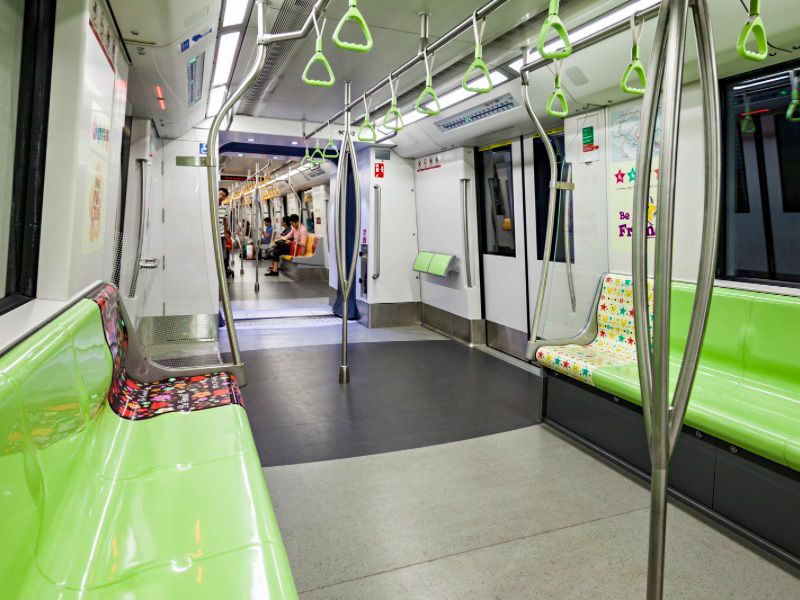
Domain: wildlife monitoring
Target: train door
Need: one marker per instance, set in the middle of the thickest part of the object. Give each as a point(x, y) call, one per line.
point(502, 211)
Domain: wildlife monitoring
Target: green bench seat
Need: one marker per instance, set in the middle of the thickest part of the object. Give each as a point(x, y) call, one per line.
point(97, 505)
point(747, 389)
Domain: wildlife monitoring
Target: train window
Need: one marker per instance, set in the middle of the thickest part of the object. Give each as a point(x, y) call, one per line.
point(497, 200)
point(762, 181)
point(26, 53)
point(541, 190)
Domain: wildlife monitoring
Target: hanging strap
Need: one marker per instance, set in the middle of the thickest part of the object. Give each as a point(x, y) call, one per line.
point(331, 151)
point(554, 22)
point(557, 93)
point(317, 157)
point(478, 63)
point(793, 112)
point(318, 57)
point(635, 65)
point(428, 91)
point(366, 133)
point(354, 15)
point(307, 158)
point(393, 119)
point(754, 27)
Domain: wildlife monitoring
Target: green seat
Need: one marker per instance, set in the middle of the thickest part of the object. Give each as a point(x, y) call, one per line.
point(98, 506)
point(746, 391)
point(433, 263)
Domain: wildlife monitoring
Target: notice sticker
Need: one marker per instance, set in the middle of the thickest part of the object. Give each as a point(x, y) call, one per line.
point(379, 170)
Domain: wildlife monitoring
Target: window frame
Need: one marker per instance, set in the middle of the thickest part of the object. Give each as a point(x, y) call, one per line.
point(482, 200)
point(30, 149)
point(722, 254)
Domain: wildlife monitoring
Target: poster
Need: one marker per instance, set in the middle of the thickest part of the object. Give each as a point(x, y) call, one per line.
point(96, 194)
point(624, 132)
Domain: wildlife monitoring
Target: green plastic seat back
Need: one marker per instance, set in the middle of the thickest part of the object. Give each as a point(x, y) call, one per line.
point(52, 385)
point(423, 261)
point(772, 354)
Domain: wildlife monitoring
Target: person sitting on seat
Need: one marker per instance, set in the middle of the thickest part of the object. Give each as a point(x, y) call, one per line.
point(280, 246)
point(299, 235)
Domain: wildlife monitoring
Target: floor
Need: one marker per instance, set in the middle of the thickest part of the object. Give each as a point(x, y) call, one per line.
point(426, 477)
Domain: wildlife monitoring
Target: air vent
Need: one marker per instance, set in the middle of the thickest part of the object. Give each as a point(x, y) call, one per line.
point(194, 78)
point(482, 111)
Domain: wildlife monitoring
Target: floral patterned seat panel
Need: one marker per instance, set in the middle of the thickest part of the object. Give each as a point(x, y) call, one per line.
point(134, 400)
point(615, 343)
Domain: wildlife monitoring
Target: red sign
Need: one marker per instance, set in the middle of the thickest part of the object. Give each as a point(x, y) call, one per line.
point(379, 170)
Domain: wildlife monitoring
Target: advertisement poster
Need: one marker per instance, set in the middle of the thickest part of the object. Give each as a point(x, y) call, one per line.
point(624, 131)
point(96, 194)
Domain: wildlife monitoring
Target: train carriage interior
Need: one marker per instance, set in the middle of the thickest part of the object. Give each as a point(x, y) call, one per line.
point(360, 299)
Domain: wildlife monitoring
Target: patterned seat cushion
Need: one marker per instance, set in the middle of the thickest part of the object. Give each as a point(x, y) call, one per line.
point(615, 343)
point(134, 400)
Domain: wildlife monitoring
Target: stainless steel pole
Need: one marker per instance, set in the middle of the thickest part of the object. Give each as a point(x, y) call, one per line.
point(142, 162)
point(377, 268)
point(465, 225)
point(555, 184)
point(664, 418)
point(566, 195)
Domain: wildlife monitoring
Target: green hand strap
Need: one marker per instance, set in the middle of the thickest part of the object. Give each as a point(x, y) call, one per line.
point(748, 124)
point(754, 26)
point(319, 57)
point(428, 91)
point(478, 63)
point(557, 94)
point(367, 133)
point(317, 157)
point(793, 112)
point(554, 22)
point(307, 158)
point(396, 124)
point(331, 151)
point(354, 15)
point(635, 65)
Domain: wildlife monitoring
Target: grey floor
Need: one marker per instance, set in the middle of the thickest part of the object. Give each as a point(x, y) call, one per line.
point(523, 514)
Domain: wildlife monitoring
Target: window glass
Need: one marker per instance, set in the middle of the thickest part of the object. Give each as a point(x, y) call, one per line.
point(497, 200)
point(541, 190)
point(762, 181)
point(11, 21)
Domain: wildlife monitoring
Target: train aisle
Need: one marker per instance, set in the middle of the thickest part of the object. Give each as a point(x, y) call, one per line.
point(441, 485)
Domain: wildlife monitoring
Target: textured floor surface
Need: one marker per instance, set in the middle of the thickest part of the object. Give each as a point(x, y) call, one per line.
point(518, 515)
point(401, 395)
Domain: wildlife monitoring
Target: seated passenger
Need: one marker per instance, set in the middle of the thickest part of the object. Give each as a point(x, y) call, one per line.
point(280, 246)
point(298, 234)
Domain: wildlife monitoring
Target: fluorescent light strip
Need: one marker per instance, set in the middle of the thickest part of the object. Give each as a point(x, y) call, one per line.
point(760, 83)
point(590, 29)
point(215, 100)
point(226, 54)
point(234, 12)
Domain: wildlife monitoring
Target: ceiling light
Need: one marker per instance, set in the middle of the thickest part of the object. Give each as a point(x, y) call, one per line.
point(234, 12)
point(226, 53)
point(593, 27)
point(460, 94)
point(240, 154)
point(274, 158)
point(215, 100)
point(251, 139)
point(294, 143)
point(760, 82)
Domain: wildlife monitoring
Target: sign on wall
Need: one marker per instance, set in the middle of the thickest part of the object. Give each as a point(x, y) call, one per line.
point(624, 131)
point(379, 170)
point(430, 162)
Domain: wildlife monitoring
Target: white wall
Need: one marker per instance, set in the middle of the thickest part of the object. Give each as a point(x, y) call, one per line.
point(440, 229)
point(87, 96)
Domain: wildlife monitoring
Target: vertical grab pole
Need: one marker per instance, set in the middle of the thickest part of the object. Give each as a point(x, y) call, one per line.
point(138, 254)
point(345, 277)
point(465, 221)
point(555, 184)
point(664, 419)
point(566, 195)
point(212, 164)
point(377, 267)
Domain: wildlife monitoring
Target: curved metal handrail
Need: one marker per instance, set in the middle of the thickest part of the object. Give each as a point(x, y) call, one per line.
point(377, 268)
point(664, 419)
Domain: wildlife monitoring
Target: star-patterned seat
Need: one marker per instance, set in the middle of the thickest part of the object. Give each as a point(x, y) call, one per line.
point(615, 344)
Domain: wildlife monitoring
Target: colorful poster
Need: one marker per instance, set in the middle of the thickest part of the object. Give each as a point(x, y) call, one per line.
point(96, 195)
point(624, 131)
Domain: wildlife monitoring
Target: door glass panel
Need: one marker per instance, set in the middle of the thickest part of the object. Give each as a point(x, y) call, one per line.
point(497, 201)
